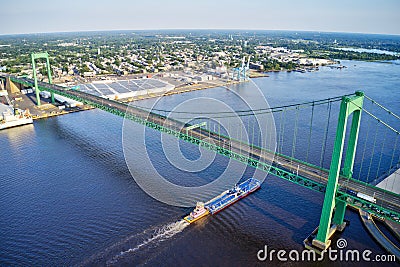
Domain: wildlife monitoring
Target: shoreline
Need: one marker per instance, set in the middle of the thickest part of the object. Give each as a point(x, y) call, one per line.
point(47, 110)
point(60, 113)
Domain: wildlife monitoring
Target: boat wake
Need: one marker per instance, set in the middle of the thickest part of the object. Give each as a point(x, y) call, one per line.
point(135, 248)
point(140, 244)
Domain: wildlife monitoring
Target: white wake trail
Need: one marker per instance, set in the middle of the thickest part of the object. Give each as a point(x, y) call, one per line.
point(159, 235)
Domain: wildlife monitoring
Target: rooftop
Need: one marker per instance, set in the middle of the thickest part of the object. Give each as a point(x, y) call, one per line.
point(124, 88)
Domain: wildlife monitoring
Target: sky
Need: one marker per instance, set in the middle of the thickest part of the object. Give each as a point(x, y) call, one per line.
point(361, 16)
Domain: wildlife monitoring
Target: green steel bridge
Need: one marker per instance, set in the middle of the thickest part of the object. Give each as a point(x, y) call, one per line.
point(338, 184)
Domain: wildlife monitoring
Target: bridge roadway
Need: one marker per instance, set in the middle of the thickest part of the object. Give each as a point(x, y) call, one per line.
point(320, 176)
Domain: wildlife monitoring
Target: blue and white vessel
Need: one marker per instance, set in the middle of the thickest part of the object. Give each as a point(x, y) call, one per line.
point(233, 195)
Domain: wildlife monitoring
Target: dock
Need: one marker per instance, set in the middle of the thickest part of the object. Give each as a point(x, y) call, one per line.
point(54, 112)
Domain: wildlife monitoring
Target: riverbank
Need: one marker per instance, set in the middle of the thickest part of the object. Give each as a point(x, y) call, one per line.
point(52, 113)
point(47, 109)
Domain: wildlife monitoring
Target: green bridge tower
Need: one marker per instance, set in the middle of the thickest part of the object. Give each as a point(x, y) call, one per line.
point(34, 57)
point(328, 226)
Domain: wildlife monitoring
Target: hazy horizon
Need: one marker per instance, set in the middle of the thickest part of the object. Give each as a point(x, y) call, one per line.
point(341, 16)
point(199, 29)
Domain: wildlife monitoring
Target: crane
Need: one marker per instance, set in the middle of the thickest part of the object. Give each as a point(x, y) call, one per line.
point(241, 73)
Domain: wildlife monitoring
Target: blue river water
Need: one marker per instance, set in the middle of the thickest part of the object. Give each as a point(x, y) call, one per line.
point(67, 196)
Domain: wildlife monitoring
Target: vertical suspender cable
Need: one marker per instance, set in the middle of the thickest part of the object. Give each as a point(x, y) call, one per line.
point(372, 153)
point(364, 149)
point(259, 141)
point(208, 125)
point(219, 129)
point(240, 133)
point(279, 134)
point(391, 161)
point(295, 134)
point(394, 151)
point(253, 135)
point(380, 157)
point(283, 130)
point(326, 135)
point(228, 131)
point(310, 132)
point(398, 160)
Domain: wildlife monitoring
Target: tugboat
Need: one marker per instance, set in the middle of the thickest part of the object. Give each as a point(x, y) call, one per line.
point(199, 212)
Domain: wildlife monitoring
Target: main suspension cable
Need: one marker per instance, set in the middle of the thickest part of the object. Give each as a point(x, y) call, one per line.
point(251, 111)
point(381, 106)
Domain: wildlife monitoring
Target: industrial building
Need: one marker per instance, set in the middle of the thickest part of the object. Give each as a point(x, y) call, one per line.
point(120, 89)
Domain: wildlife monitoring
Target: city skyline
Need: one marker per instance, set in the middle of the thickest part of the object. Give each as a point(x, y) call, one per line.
point(379, 17)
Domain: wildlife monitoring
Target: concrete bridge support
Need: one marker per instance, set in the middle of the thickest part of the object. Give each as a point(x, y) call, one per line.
point(12, 87)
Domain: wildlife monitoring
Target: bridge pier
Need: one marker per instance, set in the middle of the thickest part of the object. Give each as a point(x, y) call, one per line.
point(12, 87)
point(328, 225)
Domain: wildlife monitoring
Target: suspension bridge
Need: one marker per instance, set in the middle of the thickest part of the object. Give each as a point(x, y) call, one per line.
point(319, 169)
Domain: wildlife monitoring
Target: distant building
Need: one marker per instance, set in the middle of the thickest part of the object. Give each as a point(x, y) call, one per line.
point(203, 78)
point(256, 66)
point(89, 74)
point(313, 61)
